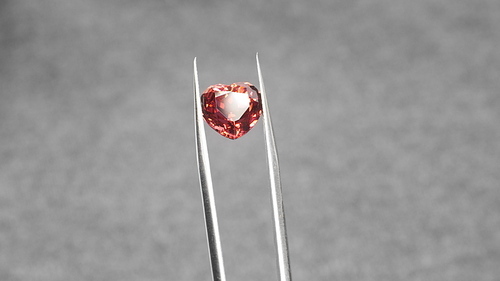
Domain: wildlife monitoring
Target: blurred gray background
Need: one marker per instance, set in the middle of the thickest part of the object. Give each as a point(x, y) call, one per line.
point(386, 115)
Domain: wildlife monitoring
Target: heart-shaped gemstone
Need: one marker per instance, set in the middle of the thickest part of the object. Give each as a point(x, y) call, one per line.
point(231, 110)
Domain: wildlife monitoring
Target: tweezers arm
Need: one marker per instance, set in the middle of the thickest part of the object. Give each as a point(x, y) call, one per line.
point(281, 240)
point(207, 192)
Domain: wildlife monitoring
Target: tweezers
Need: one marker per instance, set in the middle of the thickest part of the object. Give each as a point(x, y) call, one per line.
point(207, 193)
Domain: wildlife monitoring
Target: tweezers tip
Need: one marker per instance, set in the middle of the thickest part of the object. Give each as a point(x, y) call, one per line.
point(195, 76)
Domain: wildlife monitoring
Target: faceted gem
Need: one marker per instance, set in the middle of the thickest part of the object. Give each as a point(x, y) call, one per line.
point(231, 110)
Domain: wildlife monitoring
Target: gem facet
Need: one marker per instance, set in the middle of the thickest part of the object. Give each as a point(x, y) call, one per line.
point(231, 110)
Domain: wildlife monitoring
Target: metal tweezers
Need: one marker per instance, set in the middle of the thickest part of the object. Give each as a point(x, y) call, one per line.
point(207, 193)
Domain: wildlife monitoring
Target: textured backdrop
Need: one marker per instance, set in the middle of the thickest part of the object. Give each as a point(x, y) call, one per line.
point(386, 114)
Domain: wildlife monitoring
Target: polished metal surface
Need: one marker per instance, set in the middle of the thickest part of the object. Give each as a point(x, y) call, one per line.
point(207, 192)
point(276, 194)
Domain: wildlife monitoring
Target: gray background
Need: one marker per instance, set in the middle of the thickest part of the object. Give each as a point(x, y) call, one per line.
point(386, 116)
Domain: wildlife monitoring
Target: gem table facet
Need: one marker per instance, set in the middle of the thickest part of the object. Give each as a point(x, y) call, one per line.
point(231, 110)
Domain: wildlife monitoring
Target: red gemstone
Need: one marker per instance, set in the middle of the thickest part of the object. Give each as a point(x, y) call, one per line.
point(231, 110)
